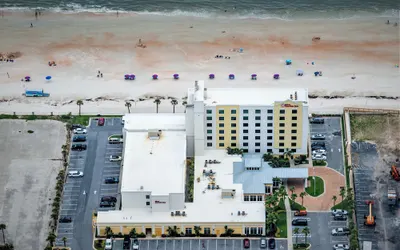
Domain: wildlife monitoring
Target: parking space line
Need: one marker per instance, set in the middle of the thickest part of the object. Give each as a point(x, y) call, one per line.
point(67, 209)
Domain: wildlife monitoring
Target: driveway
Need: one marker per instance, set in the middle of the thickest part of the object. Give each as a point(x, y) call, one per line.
point(333, 142)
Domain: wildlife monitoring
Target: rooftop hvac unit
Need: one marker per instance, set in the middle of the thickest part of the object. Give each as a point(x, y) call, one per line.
point(295, 95)
point(154, 134)
point(183, 213)
point(172, 214)
point(291, 97)
point(141, 187)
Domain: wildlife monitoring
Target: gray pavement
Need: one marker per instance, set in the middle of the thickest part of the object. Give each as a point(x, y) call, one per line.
point(333, 143)
point(82, 195)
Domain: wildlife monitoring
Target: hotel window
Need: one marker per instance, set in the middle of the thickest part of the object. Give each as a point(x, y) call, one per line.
point(221, 125)
point(260, 230)
point(258, 131)
point(245, 131)
point(294, 138)
point(147, 203)
point(267, 189)
point(209, 144)
point(294, 144)
point(257, 137)
point(294, 111)
point(281, 138)
point(221, 118)
point(233, 131)
point(209, 131)
point(257, 144)
point(221, 131)
point(233, 138)
point(294, 124)
point(245, 124)
point(257, 150)
point(246, 230)
point(245, 137)
point(269, 131)
point(148, 197)
point(294, 131)
point(233, 111)
point(209, 137)
point(281, 144)
point(269, 144)
point(253, 230)
point(281, 124)
point(245, 118)
point(245, 144)
point(245, 111)
point(188, 231)
point(209, 118)
point(221, 111)
point(269, 137)
point(258, 124)
point(282, 118)
point(233, 118)
point(259, 198)
point(209, 111)
point(207, 231)
point(221, 138)
point(233, 144)
point(233, 125)
point(282, 111)
point(269, 124)
point(282, 131)
point(221, 144)
point(245, 150)
point(270, 111)
point(269, 118)
point(258, 111)
point(294, 150)
point(258, 118)
point(209, 124)
point(281, 151)
point(294, 118)
point(269, 150)
point(246, 198)
point(253, 198)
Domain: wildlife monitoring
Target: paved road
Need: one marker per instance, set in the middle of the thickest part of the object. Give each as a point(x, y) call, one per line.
point(333, 142)
point(86, 192)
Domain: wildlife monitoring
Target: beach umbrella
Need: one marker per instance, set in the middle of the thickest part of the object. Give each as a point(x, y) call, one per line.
point(132, 77)
point(176, 76)
point(231, 76)
point(288, 62)
point(276, 76)
point(316, 73)
point(155, 77)
point(48, 78)
point(211, 76)
point(299, 72)
point(254, 77)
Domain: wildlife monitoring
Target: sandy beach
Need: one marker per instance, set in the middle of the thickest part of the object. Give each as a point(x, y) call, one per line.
point(82, 44)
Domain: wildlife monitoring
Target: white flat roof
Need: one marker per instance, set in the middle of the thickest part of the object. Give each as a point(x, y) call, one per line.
point(208, 205)
point(149, 163)
point(251, 96)
point(141, 121)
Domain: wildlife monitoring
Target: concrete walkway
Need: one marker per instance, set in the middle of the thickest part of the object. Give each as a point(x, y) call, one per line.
point(289, 224)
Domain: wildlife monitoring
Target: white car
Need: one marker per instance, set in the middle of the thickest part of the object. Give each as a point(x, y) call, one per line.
point(108, 245)
point(318, 137)
point(341, 246)
point(80, 131)
point(319, 157)
point(339, 211)
point(135, 244)
point(319, 152)
point(115, 158)
point(75, 174)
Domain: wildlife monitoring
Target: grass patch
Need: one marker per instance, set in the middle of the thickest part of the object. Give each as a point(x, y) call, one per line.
point(319, 163)
point(115, 136)
point(281, 225)
point(316, 186)
point(371, 127)
point(296, 206)
point(99, 244)
point(342, 205)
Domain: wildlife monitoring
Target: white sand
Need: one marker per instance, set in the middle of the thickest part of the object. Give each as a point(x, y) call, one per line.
point(82, 44)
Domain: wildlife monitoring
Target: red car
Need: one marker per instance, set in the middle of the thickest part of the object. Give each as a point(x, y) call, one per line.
point(246, 243)
point(100, 121)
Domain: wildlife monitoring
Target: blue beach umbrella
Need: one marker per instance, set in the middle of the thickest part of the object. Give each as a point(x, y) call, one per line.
point(48, 77)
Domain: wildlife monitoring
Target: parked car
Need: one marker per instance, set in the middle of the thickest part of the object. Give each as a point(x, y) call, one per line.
point(115, 158)
point(115, 140)
point(109, 199)
point(339, 211)
point(80, 131)
point(74, 174)
point(111, 180)
point(74, 126)
point(299, 222)
point(341, 231)
point(318, 143)
point(341, 246)
point(135, 244)
point(78, 147)
point(339, 217)
point(127, 242)
point(337, 133)
point(246, 243)
point(317, 120)
point(263, 243)
point(319, 152)
point(108, 245)
point(318, 137)
point(271, 243)
point(107, 204)
point(316, 147)
point(79, 138)
point(319, 157)
point(300, 213)
point(101, 121)
point(65, 219)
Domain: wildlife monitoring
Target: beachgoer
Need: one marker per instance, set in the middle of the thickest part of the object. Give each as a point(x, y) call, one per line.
point(395, 24)
point(117, 13)
point(387, 22)
point(40, 13)
point(31, 25)
point(8, 75)
point(98, 76)
point(36, 14)
point(101, 75)
point(98, 72)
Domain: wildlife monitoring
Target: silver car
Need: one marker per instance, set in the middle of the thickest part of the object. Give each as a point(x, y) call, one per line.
point(263, 243)
point(319, 157)
point(74, 174)
point(341, 246)
point(318, 137)
point(115, 158)
point(339, 211)
point(80, 131)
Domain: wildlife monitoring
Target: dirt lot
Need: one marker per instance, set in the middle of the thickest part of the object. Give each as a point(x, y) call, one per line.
point(28, 171)
point(375, 147)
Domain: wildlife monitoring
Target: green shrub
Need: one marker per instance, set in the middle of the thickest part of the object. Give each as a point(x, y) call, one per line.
point(30, 131)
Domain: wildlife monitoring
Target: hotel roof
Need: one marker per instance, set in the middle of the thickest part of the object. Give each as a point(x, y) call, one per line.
point(146, 162)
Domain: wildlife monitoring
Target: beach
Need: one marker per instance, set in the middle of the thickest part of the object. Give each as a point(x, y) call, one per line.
point(81, 44)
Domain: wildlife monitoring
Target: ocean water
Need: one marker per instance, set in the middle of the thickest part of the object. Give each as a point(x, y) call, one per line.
point(282, 9)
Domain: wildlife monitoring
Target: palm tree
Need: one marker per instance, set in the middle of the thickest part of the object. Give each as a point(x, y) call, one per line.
point(334, 198)
point(288, 153)
point(342, 193)
point(2, 228)
point(174, 102)
point(133, 233)
point(292, 188)
point(197, 230)
point(157, 102)
point(306, 232)
point(272, 219)
point(184, 103)
point(293, 197)
point(108, 231)
point(79, 103)
point(128, 105)
point(64, 239)
point(302, 194)
point(296, 231)
point(51, 238)
point(282, 192)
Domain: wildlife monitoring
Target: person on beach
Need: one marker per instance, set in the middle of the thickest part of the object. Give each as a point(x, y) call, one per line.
point(31, 25)
point(395, 24)
point(8, 75)
point(387, 22)
point(36, 14)
point(117, 13)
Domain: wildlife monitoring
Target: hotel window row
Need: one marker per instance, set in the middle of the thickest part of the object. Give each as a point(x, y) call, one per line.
point(257, 111)
point(253, 198)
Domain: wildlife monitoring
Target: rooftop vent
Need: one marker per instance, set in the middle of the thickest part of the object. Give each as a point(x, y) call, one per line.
point(295, 95)
point(196, 85)
point(183, 213)
point(239, 213)
point(243, 213)
point(154, 134)
point(172, 214)
point(141, 187)
point(177, 213)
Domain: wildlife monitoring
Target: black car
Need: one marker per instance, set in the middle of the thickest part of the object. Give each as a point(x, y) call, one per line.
point(127, 242)
point(299, 222)
point(79, 138)
point(107, 204)
point(271, 243)
point(65, 220)
point(318, 143)
point(111, 180)
point(317, 120)
point(78, 147)
point(313, 148)
point(74, 126)
point(109, 198)
point(339, 217)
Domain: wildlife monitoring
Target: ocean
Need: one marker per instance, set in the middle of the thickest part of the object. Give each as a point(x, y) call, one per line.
point(280, 9)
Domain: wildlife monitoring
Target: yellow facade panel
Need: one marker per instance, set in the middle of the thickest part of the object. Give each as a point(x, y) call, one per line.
point(226, 113)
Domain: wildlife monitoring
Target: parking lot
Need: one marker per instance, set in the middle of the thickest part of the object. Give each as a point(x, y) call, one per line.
point(321, 225)
point(200, 244)
point(82, 195)
point(334, 151)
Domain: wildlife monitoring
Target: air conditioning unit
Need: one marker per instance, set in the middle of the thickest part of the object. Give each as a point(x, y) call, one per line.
point(172, 214)
point(183, 213)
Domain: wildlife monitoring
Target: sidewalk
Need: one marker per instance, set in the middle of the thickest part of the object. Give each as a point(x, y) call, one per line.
point(289, 224)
